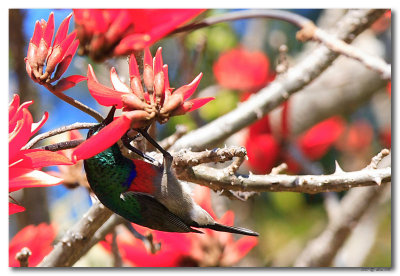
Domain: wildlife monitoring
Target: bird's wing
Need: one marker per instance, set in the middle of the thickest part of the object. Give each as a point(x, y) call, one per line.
point(153, 214)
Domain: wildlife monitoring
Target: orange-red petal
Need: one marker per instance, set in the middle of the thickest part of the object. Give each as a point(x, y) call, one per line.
point(188, 89)
point(317, 140)
point(49, 31)
point(20, 135)
point(133, 67)
point(102, 94)
point(38, 158)
point(104, 139)
point(117, 83)
point(62, 30)
point(28, 178)
point(263, 151)
point(14, 208)
point(68, 82)
point(36, 126)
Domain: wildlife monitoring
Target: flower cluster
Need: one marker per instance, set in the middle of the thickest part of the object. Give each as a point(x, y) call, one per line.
point(114, 32)
point(25, 164)
point(44, 58)
point(187, 249)
point(140, 105)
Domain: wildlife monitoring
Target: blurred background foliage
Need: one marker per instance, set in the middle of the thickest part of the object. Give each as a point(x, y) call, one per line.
point(285, 221)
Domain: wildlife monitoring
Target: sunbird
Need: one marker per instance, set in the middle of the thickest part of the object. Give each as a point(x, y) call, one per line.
point(146, 194)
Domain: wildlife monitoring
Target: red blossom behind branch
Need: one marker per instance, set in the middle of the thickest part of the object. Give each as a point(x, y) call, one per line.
point(265, 150)
point(243, 70)
point(38, 239)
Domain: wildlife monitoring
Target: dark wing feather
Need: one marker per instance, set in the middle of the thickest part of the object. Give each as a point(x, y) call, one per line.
point(154, 215)
point(230, 229)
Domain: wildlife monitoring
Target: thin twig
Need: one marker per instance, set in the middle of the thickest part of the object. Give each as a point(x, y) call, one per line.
point(57, 131)
point(82, 107)
point(63, 145)
point(147, 240)
point(295, 19)
point(373, 62)
point(378, 158)
point(279, 169)
point(117, 260)
point(339, 46)
point(23, 256)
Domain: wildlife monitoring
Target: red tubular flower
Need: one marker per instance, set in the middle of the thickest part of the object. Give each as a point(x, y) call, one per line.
point(383, 23)
point(140, 105)
point(113, 32)
point(25, 165)
point(242, 70)
point(44, 58)
point(357, 137)
point(315, 142)
point(265, 150)
point(186, 249)
point(37, 238)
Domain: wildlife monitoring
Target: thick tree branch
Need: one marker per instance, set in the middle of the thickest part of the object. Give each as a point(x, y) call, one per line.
point(219, 179)
point(297, 77)
point(73, 244)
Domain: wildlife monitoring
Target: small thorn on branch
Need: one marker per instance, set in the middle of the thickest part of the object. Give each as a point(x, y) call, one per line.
point(23, 256)
point(338, 169)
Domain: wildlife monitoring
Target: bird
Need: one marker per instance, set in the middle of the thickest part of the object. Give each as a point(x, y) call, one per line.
point(147, 194)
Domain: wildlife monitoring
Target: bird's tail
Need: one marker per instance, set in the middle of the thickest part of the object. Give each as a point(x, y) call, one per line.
point(231, 229)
